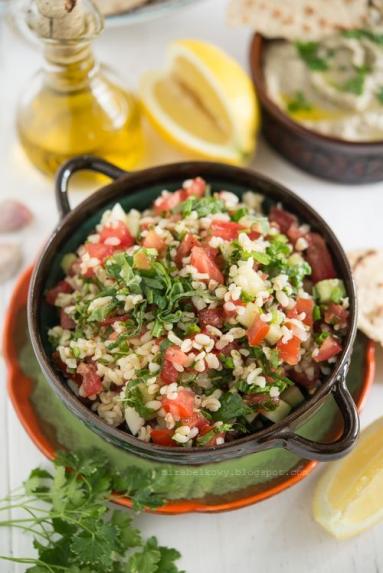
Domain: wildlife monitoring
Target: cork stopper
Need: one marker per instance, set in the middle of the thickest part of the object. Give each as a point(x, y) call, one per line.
point(64, 20)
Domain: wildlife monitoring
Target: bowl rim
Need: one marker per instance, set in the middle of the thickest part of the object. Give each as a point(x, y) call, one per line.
point(140, 179)
point(257, 49)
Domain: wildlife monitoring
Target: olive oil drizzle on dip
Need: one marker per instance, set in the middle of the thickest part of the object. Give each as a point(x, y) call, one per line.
point(334, 87)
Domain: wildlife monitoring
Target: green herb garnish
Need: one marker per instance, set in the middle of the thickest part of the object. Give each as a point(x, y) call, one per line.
point(232, 407)
point(239, 213)
point(205, 439)
point(298, 102)
point(355, 85)
point(73, 527)
point(309, 52)
point(317, 315)
point(363, 34)
point(319, 338)
point(203, 207)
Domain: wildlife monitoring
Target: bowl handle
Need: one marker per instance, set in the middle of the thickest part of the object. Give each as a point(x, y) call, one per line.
point(308, 449)
point(81, 163)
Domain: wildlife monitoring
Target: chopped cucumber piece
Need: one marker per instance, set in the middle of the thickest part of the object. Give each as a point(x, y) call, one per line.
point(280, 412)
point(274, 334)
point(330, 290)
point(251, 417)
point(250, 312)
point(67, 262)
point(133, 222)
point(293, 396)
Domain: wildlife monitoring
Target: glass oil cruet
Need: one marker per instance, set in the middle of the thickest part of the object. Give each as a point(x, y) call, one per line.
point(74, 105)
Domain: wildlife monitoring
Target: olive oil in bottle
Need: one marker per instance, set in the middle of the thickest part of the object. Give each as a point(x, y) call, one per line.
point(74, 105)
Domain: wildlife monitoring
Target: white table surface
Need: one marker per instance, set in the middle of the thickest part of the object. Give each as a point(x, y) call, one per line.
point(278, 534)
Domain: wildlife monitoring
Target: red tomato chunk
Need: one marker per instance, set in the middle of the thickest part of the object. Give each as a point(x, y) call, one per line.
point(329, 348)
point(257, 331)
point(204, 264)
point(91, 381)
point(162, 437)
point(182, 406)
point(289, 351)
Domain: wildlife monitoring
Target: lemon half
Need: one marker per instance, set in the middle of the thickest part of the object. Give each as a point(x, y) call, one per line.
point(203, 102)
point(349, 496)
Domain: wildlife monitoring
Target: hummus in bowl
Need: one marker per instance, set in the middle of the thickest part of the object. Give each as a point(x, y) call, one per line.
point(333, 87)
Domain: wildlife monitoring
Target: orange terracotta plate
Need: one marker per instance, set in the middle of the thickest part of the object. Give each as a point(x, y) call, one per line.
point(20, 388)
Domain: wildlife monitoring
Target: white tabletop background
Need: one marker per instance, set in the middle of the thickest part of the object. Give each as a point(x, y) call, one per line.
point(278, 534)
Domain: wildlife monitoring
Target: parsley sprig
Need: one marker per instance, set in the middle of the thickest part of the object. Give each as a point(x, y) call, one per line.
point(74, 529)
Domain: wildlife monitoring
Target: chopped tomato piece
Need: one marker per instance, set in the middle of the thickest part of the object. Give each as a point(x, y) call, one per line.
point(305, 305)
point(211, 316)
point(259, 399)
point(154, 241)
point(168, 373)
point(195, 187)
point(175, 355)
point(204, 264)
point(282, 218)
point(99, 251)
point(185, 248)
point(162, 437)
point(168, 202)
point(211, 252)
point(253, 235)
point(227, 230)
point(66, 321)
point(257, 331)
point(336, 314)
point(117, 231)
point(52, 294)
point(319, 258)
point(91, 381)
point(289, 351)
point(329, 348)
point(294, 233)
point(182, 406)
point(112, 319)
point(196, 420)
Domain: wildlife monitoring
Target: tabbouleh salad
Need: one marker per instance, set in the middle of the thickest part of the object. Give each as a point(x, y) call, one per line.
point(200, 320)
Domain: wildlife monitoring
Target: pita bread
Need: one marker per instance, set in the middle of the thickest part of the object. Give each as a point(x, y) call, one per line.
point(367, 267)
point(299, 19)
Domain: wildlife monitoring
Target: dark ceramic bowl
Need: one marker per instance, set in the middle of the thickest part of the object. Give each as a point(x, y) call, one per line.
point(323, 156)
point(138, 190)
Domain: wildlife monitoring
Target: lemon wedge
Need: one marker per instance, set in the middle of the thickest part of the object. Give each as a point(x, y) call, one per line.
point(348, 498)
point(203, 102)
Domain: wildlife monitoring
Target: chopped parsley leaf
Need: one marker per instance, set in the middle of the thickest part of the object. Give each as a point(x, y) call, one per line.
point(298, 102)
point(309, 52)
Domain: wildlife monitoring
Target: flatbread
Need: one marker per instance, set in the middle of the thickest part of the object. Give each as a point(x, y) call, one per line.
point(299, 19)
point(110, 7)
point(367, 267)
